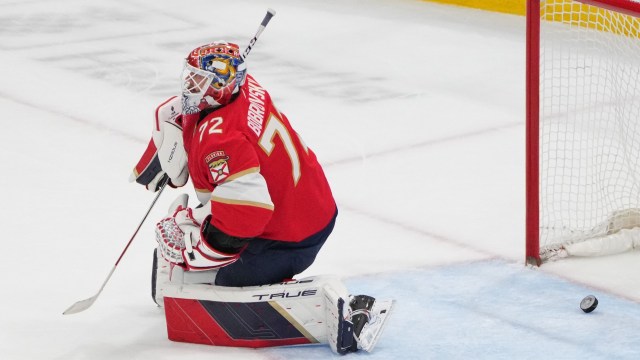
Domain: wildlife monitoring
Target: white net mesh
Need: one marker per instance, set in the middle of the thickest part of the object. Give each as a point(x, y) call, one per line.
point(589, 120)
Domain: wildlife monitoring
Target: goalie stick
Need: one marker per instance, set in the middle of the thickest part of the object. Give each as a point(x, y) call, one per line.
point(83, 305)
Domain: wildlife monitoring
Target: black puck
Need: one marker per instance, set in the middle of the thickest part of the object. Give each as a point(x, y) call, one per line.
point(589, 303)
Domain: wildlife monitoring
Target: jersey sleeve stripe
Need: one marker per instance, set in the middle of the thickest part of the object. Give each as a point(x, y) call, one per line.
point(248, 189)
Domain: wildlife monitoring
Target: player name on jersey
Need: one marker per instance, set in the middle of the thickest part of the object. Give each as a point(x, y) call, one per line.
point(255, 115)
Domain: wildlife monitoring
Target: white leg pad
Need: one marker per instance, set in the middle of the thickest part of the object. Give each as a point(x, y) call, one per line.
point(306, 311)
point(307, 305)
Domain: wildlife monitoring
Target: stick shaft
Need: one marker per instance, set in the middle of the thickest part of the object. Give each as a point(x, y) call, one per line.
point(270, 13)
point(165, 181)
point(83, 305)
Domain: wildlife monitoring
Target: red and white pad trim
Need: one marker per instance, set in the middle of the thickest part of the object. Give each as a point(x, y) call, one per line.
point(203, 257)
point(165, 152)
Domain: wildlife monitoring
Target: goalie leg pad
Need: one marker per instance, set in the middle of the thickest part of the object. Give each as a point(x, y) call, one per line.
point(287, 313)
point(160, 277)
point(306, 311)
point(165, 274)
point(345, 340)
point(339, 326)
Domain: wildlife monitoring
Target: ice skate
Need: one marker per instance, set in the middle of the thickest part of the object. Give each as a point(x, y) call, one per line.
point(369, 317)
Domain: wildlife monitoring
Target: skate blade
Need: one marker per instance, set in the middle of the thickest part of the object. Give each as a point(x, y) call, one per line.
point(372, 330)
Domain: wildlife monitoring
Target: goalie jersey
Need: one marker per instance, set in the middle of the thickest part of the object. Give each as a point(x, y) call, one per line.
point(255, 171)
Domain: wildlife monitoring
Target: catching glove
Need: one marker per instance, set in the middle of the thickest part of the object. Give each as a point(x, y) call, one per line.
point(181, 240)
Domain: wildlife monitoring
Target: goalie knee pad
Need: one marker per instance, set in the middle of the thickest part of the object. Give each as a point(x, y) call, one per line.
point(164, 274)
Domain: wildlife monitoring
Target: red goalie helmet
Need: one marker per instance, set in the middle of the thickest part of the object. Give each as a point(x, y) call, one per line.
point(212, 74)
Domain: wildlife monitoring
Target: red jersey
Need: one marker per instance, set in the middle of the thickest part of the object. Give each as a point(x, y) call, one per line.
point(260, 178)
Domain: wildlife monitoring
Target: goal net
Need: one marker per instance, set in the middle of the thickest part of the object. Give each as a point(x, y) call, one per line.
point(583, 120)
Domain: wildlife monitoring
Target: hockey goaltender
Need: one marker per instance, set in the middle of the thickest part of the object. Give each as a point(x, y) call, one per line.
point(224, 269)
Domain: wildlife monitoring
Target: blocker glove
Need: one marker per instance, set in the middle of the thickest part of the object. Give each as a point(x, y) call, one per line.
point(182, 240)
point(165, 154)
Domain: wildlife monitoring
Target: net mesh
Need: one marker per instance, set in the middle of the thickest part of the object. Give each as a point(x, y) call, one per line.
point(589, 121)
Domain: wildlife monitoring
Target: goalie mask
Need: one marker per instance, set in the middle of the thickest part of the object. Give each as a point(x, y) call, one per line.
point(212, 74)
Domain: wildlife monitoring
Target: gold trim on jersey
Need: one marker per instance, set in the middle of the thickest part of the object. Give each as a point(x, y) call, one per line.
point(242, 173)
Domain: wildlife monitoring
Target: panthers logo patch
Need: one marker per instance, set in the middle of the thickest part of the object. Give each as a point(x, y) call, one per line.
point(218, 165)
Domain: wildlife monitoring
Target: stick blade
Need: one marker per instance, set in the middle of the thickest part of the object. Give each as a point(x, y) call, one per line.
point(80, 306)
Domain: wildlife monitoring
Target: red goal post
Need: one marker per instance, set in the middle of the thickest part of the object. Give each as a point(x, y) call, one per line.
point(583, 143)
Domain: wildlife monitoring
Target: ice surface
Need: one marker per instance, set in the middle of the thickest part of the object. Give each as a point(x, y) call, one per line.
point(415, 109)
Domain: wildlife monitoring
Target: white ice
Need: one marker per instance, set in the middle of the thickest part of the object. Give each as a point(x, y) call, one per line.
point(415, 109)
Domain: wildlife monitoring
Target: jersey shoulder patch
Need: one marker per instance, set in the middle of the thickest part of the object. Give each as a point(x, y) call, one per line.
point(218, 165)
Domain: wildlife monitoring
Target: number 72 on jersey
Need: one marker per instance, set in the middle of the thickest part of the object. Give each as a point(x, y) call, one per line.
point(274, 127)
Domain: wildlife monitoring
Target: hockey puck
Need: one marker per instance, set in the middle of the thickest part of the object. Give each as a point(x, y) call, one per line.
point(589, 303)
